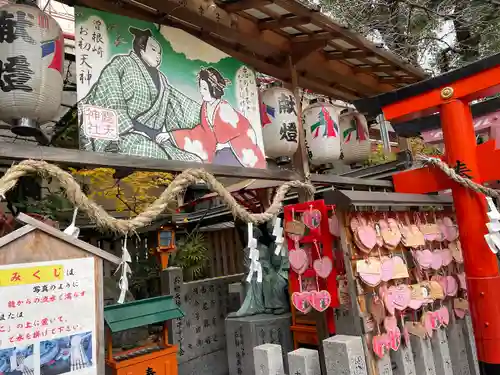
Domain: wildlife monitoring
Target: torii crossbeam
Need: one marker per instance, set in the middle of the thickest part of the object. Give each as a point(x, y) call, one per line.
point(450, 94)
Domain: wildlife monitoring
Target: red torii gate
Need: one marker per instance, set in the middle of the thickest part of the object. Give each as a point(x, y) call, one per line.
point(450, 94)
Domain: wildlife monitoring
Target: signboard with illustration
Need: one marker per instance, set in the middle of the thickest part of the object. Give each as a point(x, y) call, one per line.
point(158, 92)
point(42, 328)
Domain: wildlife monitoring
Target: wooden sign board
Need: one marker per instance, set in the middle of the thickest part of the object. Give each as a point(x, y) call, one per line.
point(51, 301)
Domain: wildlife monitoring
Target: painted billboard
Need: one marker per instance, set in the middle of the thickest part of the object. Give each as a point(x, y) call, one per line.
point(158, 92)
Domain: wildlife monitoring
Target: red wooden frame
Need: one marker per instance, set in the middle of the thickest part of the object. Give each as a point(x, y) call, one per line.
point(481, 265)
point(324, 238)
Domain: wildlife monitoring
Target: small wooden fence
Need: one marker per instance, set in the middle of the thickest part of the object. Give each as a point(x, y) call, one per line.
point(225, 258)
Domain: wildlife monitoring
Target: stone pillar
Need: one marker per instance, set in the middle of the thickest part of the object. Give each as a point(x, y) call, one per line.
point(384, 365)
point(403, 358)
point(441, 352)
point(344, 355)
point(422, 354)
point(172, 283)
point(456, 343)
point(470, 345)
point(304, 362)
point(268, 360)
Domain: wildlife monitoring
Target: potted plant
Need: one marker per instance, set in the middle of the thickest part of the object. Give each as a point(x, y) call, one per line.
point(191, 256)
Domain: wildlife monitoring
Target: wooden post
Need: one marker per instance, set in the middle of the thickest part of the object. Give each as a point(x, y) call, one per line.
point(301, 164)
point(481, 265)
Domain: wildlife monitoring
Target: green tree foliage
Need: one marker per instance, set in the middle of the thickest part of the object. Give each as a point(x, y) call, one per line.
point(441, 34)
point(379, 156)
point(191, 256)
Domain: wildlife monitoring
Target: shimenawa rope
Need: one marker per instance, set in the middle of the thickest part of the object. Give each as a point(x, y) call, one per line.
point(181, 182)
point(451, 173)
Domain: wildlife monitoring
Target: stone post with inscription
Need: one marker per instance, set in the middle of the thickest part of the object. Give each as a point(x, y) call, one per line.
point(441, 351)
point(424, 358)
point(268, 360)
point(304, 362)
point(470, 345)
point(403, 359)
point(344, 355)
point(200, 335)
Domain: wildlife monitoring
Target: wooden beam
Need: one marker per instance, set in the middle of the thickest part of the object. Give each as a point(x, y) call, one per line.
point(377, 68)
point(398, 79)
point(124, 9)
point(320, 35)
point(266, 43)
point(348, 55)
point(84, 159)
point(331, 179)
point(241, 5)
point(342, 74)
point(285, 21)
point(349, 36)
point(243, 31)
point(301, 50)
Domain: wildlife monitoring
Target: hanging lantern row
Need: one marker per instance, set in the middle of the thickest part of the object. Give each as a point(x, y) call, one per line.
point(329, 135)
point(356, 145)
point(279, 124)
point(31, 61)
point(321, 126)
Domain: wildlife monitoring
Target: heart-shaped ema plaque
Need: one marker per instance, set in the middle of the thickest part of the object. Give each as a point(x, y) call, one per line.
point(312, 218)
point(366, 234)
point(451, 286)
point(423, 258)
point(323, 267)
point(333, 226)
point(399, 296)
point(377, 309)
point(379, 344)
point(369, 271)
point(298, 260)
point(301, 301)
point(321, 300)
point(416, 329)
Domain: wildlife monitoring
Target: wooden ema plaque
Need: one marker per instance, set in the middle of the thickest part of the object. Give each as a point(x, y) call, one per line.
point(51, 292)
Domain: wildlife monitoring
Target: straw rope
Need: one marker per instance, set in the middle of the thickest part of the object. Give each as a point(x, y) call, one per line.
point(181, 182)
point(450, 172)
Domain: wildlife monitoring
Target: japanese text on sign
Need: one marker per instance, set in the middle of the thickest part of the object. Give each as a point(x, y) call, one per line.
point(100, 123)
point(48, 309)
point(31, 275)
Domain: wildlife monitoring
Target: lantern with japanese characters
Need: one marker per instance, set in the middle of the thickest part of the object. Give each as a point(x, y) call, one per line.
point(321, 126)
point(279, 123)
point(31, 65)
point(356, 144)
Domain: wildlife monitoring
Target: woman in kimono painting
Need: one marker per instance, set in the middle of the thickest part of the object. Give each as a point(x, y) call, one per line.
point(224, 136)
point(145, 103)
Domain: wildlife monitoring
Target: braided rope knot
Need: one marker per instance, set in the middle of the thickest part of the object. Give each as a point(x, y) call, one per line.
point(181, 182)
point(464, 181)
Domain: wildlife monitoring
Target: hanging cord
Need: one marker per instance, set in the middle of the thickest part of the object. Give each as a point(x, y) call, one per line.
point(181, 182)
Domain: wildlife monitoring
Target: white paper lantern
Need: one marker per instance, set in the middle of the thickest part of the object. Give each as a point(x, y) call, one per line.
point(279, 123)
point(31, 65)
point(356, 144)
point(321, 126)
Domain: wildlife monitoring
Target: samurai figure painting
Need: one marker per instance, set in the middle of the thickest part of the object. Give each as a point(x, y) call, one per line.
point(158, 121)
